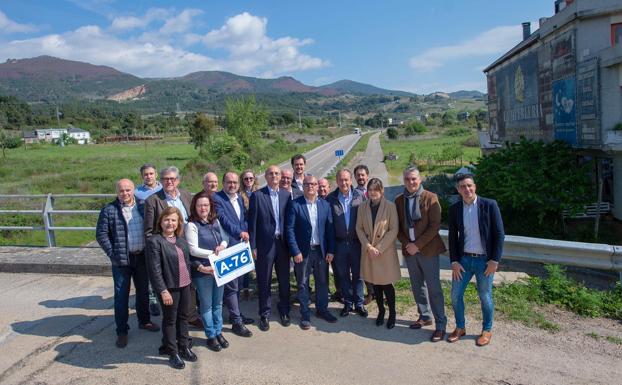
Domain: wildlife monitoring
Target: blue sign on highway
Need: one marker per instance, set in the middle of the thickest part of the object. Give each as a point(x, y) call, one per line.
point(338, 152)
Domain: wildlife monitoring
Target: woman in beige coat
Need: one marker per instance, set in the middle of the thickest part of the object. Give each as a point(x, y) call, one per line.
point(377, 227)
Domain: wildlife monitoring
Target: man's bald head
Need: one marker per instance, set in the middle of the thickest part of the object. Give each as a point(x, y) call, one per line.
point(125, 191)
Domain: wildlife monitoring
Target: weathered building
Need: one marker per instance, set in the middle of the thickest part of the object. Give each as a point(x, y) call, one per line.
point(564, 82)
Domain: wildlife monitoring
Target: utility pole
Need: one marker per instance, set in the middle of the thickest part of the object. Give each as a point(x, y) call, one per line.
point(299, 120)
point(339, 118)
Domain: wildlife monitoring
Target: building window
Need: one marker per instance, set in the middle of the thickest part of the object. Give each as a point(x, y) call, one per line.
point(616, 34)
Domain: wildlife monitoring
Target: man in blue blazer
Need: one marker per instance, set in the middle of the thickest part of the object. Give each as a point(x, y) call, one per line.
point(311, 240)
point(266, 225)
point(229, 206)
point(475, 248)
point(344, 202)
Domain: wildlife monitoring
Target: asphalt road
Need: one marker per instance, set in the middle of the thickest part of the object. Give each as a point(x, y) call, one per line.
point(59, 329)
point(321, 160)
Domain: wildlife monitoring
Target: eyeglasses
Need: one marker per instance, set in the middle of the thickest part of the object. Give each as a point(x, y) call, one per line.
point(249, 178)
point(169, 179)
point(309, 184)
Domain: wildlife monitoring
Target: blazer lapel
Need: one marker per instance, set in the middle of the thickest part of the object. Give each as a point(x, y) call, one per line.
point(268, 203)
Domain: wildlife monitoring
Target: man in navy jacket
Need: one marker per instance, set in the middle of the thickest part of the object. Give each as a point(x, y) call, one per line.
point(119, 232)
point(266, 225)
point(232, 217)
point(475, 248)
point(311, 240)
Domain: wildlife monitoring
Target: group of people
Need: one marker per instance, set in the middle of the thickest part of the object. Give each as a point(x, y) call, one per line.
point(161, 237)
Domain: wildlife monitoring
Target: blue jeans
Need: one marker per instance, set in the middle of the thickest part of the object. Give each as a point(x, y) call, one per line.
point(473, 266)
point(122, 277)
point(210, 299)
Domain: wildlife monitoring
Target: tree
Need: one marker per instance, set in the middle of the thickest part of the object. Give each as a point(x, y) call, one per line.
point(244, 119)
point(8, 141)
point(392, 133)
point(415, 128)
point(200, 130)
point(533, 183)
point(448, 118)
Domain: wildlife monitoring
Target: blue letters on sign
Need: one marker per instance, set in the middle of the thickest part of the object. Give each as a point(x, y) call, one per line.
point(233, 262)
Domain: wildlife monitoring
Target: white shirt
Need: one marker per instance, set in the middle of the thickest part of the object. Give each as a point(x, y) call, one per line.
point(472, 237)
point(274, 197)
point(236, 205)
point(312, 207)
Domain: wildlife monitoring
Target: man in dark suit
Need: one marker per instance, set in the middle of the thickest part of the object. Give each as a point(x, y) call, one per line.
point(286, 184)
point(170, 195)
point(232, 217)
point(419, 216)
point(475, 248)
point(266, 225)
point(344, 202)
point(311, 240)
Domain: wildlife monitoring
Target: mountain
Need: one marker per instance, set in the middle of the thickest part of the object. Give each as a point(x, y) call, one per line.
point(350, 86)
point(50, 78)
point(466, 95)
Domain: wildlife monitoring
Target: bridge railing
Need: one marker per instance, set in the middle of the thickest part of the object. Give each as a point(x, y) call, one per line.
point(527, 249)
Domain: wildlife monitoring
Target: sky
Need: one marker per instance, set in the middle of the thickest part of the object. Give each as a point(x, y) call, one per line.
point(410, 45)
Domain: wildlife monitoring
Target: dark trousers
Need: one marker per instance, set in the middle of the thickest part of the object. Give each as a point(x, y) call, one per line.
point(122, 277)
point(313, 263)
point(277, 258)
point(348, 260)
point(232, 299)
point(380, 292)
point(175, 319)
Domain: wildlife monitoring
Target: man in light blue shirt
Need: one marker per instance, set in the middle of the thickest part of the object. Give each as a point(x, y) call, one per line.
point(150, 184)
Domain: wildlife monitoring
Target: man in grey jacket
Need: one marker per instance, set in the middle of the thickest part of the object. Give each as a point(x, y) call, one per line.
point(120, 234)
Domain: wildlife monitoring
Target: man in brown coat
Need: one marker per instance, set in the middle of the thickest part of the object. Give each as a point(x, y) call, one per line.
point(419, 215)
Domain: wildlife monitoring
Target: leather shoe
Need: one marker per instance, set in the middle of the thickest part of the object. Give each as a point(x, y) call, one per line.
point(360, 310)
point(285, 320)
point(327, 317)
point(368, 299)
point(437, 335)
point(187, 354)
point(121, 341)
point(264, 324)
point(213, 345)
point(197, 324)
point(484, 338)
point(418, 324)
point(154, 309)
point(176, 362)
point(247, 321)
point(305, 325)
point(222, 341)
point(345, 311)
point(240, 330)
point(456, 334)
point(149, 326)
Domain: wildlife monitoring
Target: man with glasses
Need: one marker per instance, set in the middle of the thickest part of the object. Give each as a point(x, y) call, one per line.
point(311, 240)
point(232, 217)
point(170, 196)
point(210, 182)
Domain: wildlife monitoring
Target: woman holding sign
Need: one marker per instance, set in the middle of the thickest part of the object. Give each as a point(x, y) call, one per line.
point(168, 262)
point(206, 237)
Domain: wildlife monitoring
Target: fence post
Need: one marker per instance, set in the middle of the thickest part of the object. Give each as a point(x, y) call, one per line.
point(48, 222)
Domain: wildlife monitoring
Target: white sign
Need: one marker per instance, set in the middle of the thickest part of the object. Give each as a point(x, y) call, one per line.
point(232, 263)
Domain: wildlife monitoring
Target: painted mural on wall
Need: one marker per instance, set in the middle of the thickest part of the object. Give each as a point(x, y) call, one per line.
point(565, 110)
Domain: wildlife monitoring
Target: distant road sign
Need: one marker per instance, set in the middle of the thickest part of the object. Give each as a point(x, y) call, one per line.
point(338, 152)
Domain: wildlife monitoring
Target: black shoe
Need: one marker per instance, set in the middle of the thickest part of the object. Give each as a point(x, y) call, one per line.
point(380, 318)
point(187, 354)
point(222, 341)
point(391, 321)
point(176, 362)
point(213, 345)
point(264, 324)
point(240, 330)
point(121, 341)
point(360, 310)
point(149, 326)
point(247, 321)
point(305, 325)
point(345, 311)
point(285, 320)
point(154, 309)
point(327, 317)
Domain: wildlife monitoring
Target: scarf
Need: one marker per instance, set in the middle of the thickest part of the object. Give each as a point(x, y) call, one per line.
point(415, 214)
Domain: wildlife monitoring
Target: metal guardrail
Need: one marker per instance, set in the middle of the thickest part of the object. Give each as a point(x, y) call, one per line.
point(527, 249)
point(47, 213)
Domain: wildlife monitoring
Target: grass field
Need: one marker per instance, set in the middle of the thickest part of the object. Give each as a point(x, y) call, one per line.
point(92, 169)
point(425, 150)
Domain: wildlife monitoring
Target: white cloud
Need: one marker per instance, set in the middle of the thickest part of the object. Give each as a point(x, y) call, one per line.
point(155, 54)
point(126, 23)
point(494, 41)
point(9, 26)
